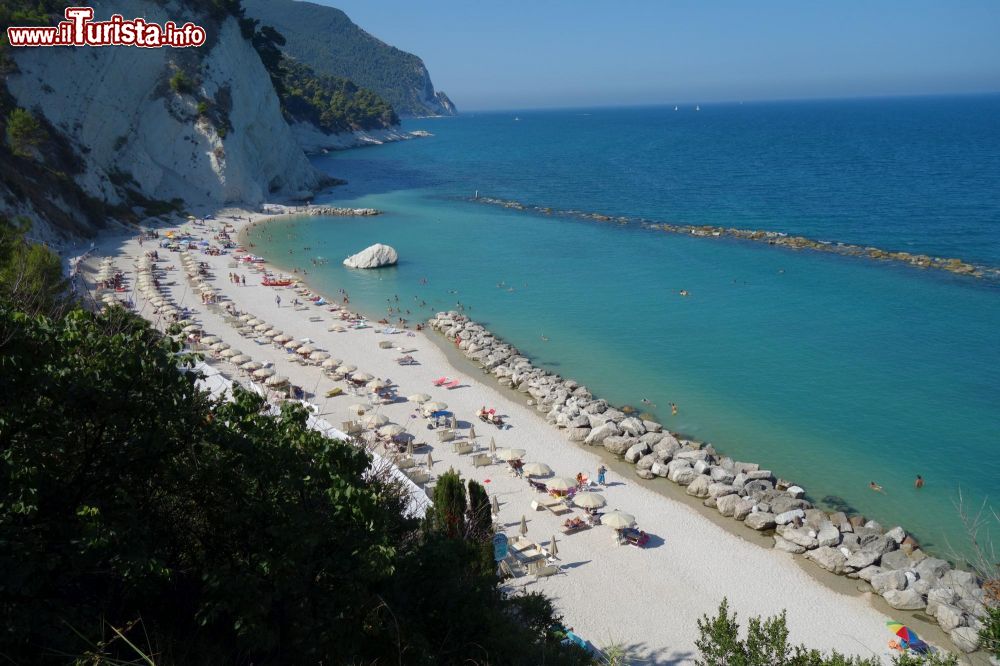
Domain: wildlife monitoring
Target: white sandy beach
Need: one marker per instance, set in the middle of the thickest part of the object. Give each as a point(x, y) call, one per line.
point(646, 599)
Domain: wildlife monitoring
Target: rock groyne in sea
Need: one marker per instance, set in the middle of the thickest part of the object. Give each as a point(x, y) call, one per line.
point(777, 238)
point(890, 561)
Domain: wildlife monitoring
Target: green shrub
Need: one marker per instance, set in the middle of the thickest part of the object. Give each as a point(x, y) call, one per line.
point(24, 132)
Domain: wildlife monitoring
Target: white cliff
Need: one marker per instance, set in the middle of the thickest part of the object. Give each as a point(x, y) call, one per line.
point(119, 113)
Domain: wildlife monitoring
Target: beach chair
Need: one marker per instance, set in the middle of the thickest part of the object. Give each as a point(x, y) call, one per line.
point(440, 381)
point(547, 570)
point(480, 460)
point(574, 528)
point(315, 318)
point(463, 448)
point(558, 507)
point(452, 384)
point(539, 486)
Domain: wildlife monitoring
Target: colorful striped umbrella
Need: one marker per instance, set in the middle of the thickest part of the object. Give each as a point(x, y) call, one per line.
point(907, 635)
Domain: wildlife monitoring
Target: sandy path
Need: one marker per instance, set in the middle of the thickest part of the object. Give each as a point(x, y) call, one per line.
point(647, 599)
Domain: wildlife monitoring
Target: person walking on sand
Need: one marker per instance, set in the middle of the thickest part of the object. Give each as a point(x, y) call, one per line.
point(919, 483)
point(601, 472)
point(277, 299)
point(244, 278)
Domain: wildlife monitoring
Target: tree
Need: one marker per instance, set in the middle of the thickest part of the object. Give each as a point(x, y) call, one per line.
point(24, 132)
point(30, 274)
point(448, 512)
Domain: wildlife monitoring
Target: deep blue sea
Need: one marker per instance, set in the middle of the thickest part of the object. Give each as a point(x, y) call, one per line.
point(832, 371)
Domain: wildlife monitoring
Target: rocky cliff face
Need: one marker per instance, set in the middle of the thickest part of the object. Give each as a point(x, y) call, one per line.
point(219, 139)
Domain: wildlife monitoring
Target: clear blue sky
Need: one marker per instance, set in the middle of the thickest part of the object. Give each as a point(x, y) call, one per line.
point(511, 54)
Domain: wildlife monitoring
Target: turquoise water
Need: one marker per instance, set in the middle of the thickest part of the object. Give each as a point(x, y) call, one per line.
point(832, 371)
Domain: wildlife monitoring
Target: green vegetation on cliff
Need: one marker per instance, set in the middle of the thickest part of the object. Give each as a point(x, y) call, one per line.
point(328, 41)
point(332, 104)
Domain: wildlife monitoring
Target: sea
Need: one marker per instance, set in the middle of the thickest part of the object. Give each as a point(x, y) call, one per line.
point(832, 371)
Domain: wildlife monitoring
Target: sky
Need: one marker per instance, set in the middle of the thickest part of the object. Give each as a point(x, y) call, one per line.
point(518, 54)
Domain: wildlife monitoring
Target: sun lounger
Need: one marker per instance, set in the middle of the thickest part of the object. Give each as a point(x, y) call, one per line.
point(547, 570)
point(446, 435)
point(463, 448)
point(558, 507)
point(480, 460)
point(315, 319)
point(574, 528)
point(539, 486)
point(440, 381)
point(452, 384)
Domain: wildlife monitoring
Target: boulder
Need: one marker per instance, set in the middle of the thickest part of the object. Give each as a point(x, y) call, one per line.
point(850, 541)
point(759, 486)
point(718, 490)
point(796, 492)
point(760, 521)
point(828, 535)
point(839, 518)
point(799, 536)
point(617, 445)
point(632, 426)
point(782, 503)
point(908, 599)
point(644, 474)
point(699, 486)
point(787, 546)
point(691, 455)
point(652, 438)
point(888, 580)
point(949, 617)
point(721, 475)
point(965, 639)
point(940, 595)
point(896, 534)
point(897, 559)
point(659, 469)
point(870, 572)
point(675, 466)
point(861, 559)
point(743, 508)
point(646, 462)
point(577, 434)
point(600, 433)
point(652, 426)
point(686, 476)
point(726, 504)
point(788, 516)
point(932, 568)
point(636, 451)
point(373, 256)
point(959, 579)
point(760, 474)
point(828, 558)
point(701, 467)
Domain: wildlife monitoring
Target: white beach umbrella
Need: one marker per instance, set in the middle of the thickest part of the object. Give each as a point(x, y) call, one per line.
point(587, 500)
point(254, 322)
point(246, 316)
point(537, 469)
point(193, 328)
point(250, 366)
point(618, 519)
point(357, 409)
point(271, 332)
point(261, 327)
point(418, 397)
point(435, 406)
point(263, 373)
point(346, 368)
point(391, 430)
point(510, 454)
point(219, 346)
point(240, 359)
point(362, 377)
point(559, 482)
point(228, 353)
point(282, 338)
point(210, 339)
point(330, 363)
point(337, 328)
point(276, 380)
point(293, 344)
point(318, 356)
point(375, 420)
point(306, 349)
point(376, 384)
point(523, 529)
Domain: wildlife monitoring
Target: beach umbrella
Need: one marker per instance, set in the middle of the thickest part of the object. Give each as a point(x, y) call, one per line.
point(219, 346)
point(496, 504)
point(375, 420)
point(454, 421)
point(271, 332)
point(376, 384)
point(587, 500)
point(263, 373)
point(261, 327)
point(357, 409)
point(331, 363)
point(246, 317)
point(560, 483)
point(430, 461)
point(409, 448)
point(185, 322)
point(391, 430)
point(239, 359)
point(276, 380)
point(293, 344)
point(493, 447)
point(553, 548)
point(250, 366)
point(418, 397)
point(227, 353)
point(362, 377)
point(337, 328)
point(253, 322)
point(537, 469)
point(305, 349)
point(512, 454)
point(905, 634)
point(435, 406)
point(319, 356)
point(282, 338)
point(524, 525)
point(618, 519)
point(346, 369)
point(472, 432)
point(210, 339)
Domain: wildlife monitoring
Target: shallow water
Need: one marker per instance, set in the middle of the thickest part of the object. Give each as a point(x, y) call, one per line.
point(832, 371)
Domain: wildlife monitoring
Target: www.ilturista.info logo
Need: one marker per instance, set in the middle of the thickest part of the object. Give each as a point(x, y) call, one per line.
point(79, 29)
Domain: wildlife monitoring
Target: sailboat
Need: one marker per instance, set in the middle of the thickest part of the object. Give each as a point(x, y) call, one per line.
point(697, 108)
point(675, 108)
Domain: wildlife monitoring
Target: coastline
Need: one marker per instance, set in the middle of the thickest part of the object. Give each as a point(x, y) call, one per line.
point(710, 551)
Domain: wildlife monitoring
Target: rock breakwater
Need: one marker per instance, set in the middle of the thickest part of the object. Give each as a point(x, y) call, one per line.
point(890, 561)
point(776, 238)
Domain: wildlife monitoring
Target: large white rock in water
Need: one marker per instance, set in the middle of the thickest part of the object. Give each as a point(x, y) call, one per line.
point(373, 257)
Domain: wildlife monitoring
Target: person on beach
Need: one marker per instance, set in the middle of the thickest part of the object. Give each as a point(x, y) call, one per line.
point(919, 483)
point(877, 488)
point(601, 472)
point(277, 299)
point(244, 278)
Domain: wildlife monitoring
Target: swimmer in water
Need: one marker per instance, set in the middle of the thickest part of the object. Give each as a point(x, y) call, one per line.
point(919, 483)
point(646, 401)
point(684, 292)
point(877, 488)
point(545, 338)
point(673, 409)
